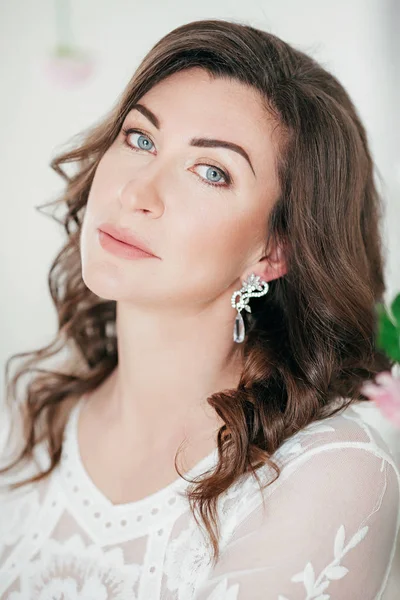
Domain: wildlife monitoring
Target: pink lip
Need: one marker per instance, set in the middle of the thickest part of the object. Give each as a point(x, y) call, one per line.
point(125, 237)
point(127, 244)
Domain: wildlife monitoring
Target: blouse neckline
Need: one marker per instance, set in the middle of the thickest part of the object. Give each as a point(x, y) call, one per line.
point(83, 492)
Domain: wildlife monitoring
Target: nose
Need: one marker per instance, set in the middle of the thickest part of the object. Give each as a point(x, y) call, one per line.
point(142, 192)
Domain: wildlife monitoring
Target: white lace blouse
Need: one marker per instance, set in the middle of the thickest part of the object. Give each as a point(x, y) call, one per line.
point(328, 530)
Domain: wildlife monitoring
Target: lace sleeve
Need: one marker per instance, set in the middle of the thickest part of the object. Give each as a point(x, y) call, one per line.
point(328, 532)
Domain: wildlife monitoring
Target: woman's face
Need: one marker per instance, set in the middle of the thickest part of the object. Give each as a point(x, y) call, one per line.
point(202, 210)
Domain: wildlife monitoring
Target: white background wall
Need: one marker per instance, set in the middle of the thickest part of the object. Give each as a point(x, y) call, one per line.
point(357, 41)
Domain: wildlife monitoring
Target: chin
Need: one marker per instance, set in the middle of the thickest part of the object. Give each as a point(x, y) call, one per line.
point(100, 289)
point(103, 280)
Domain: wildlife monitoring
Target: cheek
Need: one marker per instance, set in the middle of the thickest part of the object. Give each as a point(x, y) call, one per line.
point(214, 247)
point(226, 233)
point(103, 185)
point(97, 210)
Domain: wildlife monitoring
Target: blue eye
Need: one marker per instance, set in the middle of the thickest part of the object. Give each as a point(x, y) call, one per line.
point(213, 172)
point(144, 143)
point(144, 139)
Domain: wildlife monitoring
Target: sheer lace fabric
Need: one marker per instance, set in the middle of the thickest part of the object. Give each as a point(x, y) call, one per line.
point(327, 529)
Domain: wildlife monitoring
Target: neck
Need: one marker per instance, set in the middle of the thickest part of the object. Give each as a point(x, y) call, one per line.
point(168, 364)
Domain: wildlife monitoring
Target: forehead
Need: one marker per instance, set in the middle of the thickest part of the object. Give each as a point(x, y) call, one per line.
point(194, 97)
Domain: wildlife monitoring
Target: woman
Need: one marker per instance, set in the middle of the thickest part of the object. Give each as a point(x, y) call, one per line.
point(215, 299)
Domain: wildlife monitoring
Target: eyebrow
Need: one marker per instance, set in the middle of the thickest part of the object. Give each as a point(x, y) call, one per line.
point(197, 142)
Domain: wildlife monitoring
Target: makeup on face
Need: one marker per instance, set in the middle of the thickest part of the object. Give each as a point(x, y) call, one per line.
point(120, 248)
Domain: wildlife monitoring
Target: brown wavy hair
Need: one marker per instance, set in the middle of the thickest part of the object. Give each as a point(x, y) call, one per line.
point(312, 339)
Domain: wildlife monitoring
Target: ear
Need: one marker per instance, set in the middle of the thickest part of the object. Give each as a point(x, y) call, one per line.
point(271, 266)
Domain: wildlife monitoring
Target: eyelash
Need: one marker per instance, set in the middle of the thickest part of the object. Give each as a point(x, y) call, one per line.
point(226, 176)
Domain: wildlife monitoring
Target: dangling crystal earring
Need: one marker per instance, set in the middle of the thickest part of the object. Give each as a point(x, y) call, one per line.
point(252, 287)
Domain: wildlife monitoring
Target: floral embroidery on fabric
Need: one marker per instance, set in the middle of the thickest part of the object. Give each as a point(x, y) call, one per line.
point(222, 592)
point(73, 571)
point(293, 446)
point(16, 516)
point(316, 587)
point(187, 557)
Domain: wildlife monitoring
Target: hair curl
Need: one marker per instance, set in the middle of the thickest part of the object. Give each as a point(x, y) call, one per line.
point(311, 340)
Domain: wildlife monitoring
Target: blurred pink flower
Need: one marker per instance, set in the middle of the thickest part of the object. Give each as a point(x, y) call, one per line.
point(386, 395)
point(70, 68)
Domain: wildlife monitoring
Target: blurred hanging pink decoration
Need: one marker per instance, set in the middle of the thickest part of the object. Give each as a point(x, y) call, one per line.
point(386, 395)
point(68, 66)
point(385, 391)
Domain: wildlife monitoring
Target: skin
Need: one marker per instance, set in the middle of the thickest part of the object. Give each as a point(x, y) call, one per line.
point(174, 315)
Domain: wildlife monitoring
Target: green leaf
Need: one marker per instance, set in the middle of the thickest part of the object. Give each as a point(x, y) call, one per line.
point(388, 338)
point(381, 310)
point(395, 307)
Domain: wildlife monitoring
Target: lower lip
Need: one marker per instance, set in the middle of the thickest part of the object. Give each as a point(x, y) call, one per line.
point(120, 248)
